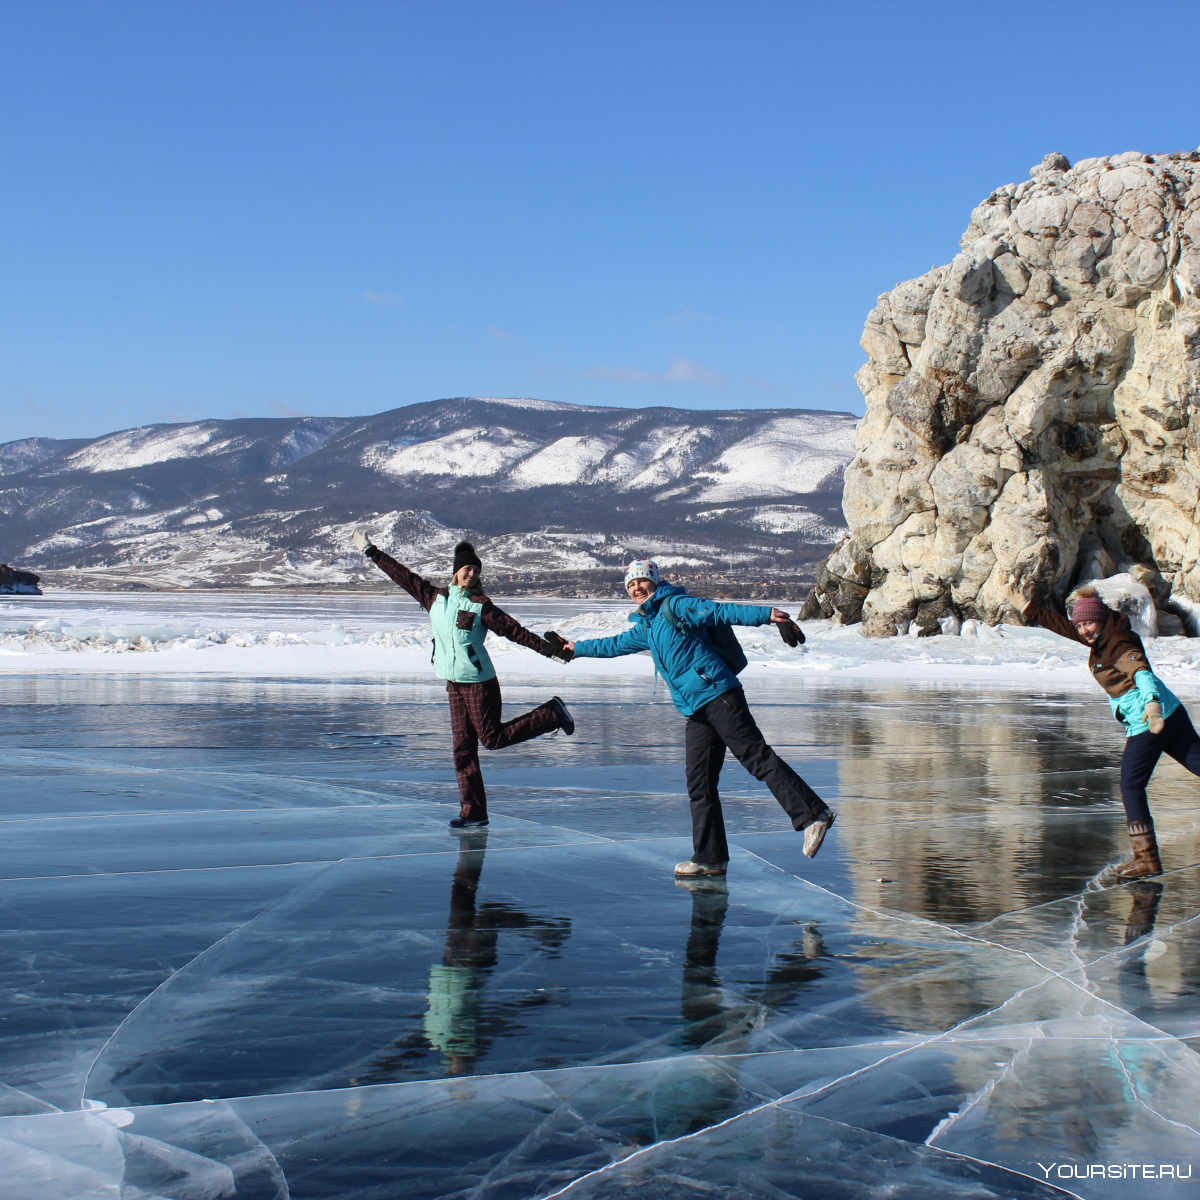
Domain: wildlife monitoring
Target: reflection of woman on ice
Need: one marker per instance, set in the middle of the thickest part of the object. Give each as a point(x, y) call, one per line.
point(462, 616)
point(1155, 721)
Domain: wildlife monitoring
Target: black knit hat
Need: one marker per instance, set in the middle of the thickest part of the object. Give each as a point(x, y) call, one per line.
point(465, 556)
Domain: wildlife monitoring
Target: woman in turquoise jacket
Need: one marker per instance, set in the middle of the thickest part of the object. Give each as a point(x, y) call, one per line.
point(462, 616)
point(674, 628)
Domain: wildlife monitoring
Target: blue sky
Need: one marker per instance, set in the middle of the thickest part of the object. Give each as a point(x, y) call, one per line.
point(256, 208)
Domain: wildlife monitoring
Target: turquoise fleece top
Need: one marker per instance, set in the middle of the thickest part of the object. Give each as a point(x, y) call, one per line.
point(1130, 709)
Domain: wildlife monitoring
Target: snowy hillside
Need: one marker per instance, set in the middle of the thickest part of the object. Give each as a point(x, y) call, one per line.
point(543, 487)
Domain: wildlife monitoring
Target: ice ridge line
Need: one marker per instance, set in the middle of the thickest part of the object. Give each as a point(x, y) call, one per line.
point(174, 974)
point(1084, 987)
point(1136, 1093)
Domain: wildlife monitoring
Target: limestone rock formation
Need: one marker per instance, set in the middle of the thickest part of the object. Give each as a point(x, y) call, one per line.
point(1033, 407)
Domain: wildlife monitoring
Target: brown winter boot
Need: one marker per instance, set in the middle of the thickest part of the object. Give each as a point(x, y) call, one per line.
point(1145, 853)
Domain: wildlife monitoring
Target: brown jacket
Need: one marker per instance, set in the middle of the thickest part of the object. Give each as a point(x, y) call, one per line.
point(1117, 656)
point(424, 593)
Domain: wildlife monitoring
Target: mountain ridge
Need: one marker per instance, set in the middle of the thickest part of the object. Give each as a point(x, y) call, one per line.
point(543, 486)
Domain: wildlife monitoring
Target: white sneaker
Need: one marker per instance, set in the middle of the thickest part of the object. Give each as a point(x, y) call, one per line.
point(814, 834)
point(693, 870)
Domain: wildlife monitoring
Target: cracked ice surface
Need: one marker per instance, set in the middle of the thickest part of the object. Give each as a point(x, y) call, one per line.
point(241, 950)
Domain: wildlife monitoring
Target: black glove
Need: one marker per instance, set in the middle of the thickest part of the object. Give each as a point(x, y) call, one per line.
point(791, 633)
point(557, 646)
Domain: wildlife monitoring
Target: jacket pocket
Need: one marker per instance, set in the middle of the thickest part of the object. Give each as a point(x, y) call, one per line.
point(465, 619)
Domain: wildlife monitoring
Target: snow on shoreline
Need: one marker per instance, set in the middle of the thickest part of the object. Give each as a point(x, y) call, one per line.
point(157, 635)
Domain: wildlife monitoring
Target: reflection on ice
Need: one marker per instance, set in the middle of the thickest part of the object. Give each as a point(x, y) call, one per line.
point(258, 946)
point(612, 962)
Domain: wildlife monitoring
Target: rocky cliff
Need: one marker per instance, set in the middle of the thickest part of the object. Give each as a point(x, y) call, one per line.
point(1033, 407)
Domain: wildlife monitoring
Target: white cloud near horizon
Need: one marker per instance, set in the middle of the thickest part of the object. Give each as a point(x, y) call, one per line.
point(685, 316)
point(681, 370)
point(382, 299)
point(501, 335)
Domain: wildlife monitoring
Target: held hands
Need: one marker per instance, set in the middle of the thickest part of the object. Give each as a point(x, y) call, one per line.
point(1154, 717)
point(361, 541)
point(561, 649)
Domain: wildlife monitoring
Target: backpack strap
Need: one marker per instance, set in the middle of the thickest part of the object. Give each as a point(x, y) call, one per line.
point(673, 620)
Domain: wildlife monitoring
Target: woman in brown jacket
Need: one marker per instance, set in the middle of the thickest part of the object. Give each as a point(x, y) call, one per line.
point(1156, 723)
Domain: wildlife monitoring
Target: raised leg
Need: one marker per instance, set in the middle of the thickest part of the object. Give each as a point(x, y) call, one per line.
point(496, 734)
point(729, 714)
point(1182, 741)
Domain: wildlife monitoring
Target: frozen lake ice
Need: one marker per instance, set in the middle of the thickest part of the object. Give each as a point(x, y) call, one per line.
point(242, 949)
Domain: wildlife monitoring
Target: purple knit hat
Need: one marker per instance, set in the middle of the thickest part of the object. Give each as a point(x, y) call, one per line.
point(1089, 608)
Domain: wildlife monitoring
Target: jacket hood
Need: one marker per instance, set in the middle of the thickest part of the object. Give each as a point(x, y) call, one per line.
point(648, 610)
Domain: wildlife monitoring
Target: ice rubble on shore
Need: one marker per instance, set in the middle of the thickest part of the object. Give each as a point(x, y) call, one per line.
point(401, 643)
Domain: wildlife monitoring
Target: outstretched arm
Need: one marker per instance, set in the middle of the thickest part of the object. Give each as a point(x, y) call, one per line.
point(421, 590)
point(1047, 618)
point(632, 641)
point(497, 621)
point(1033, 613)
point(694, 611)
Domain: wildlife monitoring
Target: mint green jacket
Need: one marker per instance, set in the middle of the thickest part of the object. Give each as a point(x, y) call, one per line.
point(460, 623)
point(458, 634)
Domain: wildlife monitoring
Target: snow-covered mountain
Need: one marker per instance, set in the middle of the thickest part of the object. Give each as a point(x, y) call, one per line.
point(543, 487)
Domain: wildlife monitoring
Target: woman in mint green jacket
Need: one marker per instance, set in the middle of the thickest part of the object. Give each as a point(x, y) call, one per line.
point(462, 616)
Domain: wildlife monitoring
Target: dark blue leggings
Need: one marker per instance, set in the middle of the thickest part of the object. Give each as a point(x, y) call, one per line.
point(1142, 752)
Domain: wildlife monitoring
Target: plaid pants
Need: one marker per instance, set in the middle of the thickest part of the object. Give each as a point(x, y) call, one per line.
point(475, 718)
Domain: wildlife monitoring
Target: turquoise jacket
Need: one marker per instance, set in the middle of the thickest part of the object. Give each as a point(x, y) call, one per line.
point(695, 673)
point(1130, 709)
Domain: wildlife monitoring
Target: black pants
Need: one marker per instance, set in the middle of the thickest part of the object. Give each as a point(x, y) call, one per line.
point(1142, 752)
point(726, 723)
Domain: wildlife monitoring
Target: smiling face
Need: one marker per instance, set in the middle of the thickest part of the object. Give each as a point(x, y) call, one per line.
point(465, 576)
point(640, 590)
point(1089, 630)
